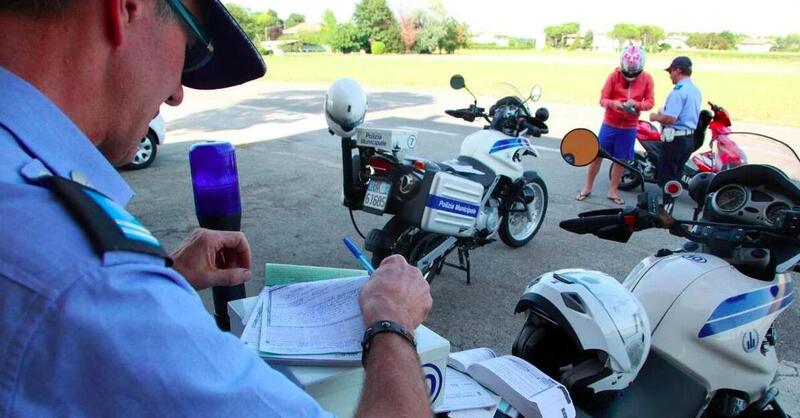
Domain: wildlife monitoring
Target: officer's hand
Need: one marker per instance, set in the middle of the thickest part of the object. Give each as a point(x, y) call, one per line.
point(396, 292)
point(654, 117)
point(209, 258)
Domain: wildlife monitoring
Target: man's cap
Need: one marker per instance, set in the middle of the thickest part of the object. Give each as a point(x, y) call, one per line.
point(235, 60)
point(683, 63)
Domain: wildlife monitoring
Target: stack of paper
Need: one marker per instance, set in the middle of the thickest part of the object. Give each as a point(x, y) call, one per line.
point(310, 323)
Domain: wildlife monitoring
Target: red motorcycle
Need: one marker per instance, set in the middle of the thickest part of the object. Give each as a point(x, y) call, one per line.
point(723, 152)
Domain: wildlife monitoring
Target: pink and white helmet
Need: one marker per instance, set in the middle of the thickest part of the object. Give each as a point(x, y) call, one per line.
point(631, 62)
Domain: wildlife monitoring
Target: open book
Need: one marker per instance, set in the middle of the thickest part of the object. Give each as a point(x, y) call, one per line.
point(526, 388)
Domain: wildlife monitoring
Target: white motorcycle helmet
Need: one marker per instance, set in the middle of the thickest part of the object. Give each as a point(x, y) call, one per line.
point(631, 62)
point(345, 107)
point(585, 330)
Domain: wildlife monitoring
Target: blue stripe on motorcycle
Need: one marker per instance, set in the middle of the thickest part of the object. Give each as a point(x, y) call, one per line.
point(452, 206)
point(746, 301)
point(731, 322)
point(507, 143)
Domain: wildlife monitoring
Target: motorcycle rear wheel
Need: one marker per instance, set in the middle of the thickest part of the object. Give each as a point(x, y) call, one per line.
point(412, 248)
point(630, 180)
point(518, 228)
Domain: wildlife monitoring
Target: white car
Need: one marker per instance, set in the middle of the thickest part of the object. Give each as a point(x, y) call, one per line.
point(148, 145)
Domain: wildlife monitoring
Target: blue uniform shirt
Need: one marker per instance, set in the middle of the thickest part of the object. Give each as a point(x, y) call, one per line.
point(684, 103)
point(118, 334)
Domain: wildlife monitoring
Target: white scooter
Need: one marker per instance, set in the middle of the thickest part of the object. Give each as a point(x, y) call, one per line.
point(439, 207)
point(706, 346)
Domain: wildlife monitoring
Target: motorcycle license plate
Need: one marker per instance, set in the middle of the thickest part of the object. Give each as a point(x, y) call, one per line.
point(377, 194)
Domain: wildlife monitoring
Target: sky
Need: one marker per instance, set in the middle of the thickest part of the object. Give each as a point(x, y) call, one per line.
point(525, 18)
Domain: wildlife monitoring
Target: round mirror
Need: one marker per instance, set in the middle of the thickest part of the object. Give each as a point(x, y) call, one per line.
point(580, 147)
point(536, 92)
point(457, 82)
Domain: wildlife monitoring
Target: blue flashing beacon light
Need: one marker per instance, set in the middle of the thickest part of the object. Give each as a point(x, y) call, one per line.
point(215, 182)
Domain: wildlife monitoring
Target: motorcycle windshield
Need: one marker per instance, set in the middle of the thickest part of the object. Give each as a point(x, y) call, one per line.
point(502, 90)
point(762, 149)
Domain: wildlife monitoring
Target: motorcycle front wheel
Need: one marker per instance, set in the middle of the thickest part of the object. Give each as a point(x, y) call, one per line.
point(523, 221)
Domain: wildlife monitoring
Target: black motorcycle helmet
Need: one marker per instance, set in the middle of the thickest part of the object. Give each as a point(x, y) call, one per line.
point(505, 119)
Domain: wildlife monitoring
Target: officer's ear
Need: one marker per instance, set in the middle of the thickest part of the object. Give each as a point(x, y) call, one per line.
point(120, 14)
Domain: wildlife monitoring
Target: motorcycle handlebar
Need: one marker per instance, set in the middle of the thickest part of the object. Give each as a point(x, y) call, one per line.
point(534, 130)
point(468, 114)
point(594, 221)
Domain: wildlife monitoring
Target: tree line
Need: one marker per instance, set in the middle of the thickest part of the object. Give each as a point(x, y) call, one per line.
point(651, 37)
point(373, 28)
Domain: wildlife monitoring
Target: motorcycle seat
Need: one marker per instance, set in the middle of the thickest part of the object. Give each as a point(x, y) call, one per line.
point(653, 149)
point(700, 132)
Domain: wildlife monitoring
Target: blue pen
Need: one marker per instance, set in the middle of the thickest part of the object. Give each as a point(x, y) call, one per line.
point(357, 254)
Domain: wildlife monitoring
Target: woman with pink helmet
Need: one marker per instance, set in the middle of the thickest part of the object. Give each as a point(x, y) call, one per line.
point(627, 92)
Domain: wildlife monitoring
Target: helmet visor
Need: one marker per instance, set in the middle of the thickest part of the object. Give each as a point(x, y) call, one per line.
point(628, 316)
point(631, 75)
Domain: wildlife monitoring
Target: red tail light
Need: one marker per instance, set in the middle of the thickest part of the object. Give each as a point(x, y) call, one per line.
point(381, 165)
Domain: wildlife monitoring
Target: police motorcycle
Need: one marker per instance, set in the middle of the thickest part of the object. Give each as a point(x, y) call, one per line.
point(440, 207)
point(689, 332)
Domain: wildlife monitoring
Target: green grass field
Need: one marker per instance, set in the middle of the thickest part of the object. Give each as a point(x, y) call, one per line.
point(754, 90)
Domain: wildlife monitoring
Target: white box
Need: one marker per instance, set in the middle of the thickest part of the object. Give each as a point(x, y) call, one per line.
point(386, 139)
point(337, 389)
point(452, 206)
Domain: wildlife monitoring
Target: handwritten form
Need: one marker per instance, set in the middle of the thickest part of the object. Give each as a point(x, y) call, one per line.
point(309, 318)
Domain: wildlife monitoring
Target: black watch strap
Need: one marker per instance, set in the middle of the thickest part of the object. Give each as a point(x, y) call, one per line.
point(378, 327)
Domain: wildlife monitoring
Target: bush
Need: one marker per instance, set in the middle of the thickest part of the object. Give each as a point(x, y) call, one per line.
point(346, 38)
point(377, 47)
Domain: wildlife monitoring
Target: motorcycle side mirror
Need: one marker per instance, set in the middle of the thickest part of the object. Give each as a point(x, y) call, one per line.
point(580, 147)
point(536, 93)
point(457, 82)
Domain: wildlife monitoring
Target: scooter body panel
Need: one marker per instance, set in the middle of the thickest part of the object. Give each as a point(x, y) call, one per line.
point(496, 150)
point(710, 320)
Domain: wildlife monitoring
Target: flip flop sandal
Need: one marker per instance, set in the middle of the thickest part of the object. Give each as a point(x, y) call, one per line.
point(616, 199)
point(582, 196)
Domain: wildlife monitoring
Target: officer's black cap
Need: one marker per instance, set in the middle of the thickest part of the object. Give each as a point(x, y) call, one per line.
point(235, 60)
point(683, 63)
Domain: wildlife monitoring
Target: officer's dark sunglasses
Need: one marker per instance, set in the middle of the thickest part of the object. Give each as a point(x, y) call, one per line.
point(199, 49)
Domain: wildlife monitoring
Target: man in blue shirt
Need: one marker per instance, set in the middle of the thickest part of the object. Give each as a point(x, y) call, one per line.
point(678, 119)
point(92, 321)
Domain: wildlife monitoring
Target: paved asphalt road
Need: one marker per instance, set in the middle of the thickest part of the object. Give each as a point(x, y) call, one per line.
point(290, 175)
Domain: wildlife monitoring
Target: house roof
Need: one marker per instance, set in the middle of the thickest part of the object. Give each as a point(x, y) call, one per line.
point(304, 27)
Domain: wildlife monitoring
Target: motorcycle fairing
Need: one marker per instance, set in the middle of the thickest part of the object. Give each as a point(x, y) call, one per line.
point(748, 307)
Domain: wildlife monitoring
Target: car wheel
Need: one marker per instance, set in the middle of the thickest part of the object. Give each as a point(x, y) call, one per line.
point(146, 154)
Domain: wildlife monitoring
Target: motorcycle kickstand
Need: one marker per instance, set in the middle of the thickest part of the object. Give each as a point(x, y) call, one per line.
point(463, 263)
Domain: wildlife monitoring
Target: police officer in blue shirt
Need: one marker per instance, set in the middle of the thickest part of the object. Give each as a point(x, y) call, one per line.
point(93, 321)
point(678, 119)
